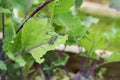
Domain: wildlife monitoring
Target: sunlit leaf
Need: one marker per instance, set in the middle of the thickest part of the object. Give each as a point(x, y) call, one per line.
point(38, 53)
point(36, 32)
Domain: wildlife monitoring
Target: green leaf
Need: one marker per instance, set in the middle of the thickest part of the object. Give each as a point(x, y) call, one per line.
point(78, 3)
point(93, 55)
point(4, 10)
point(20, 61)
point(115, 4)
point(10, 55)
point(38, 53)
point(63, 6)
point(15, 46)
point(3, 65)
point(72, 24)
point(9, 35)
point(12, 42)
point(61, 61)
point(36, 32)
point(114, 57)
point(91, 42)
point(113, 37)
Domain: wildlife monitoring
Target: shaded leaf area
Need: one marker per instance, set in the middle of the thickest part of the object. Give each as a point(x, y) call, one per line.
point(35, 38)
point(55, 60)
point(72, 26)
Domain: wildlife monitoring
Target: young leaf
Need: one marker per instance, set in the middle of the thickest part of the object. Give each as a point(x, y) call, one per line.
point(4, 10)
point(2, 66)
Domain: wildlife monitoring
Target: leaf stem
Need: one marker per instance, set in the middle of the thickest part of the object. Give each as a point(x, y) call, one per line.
point(33, 13)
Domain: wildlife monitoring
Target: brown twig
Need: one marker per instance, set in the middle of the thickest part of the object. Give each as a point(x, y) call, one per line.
point(33, 13)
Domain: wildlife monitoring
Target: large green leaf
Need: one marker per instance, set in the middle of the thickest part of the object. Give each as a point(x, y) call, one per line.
point(38, 53)
point(2, 65)
point(36, 32)
point(115, 4)
point(4, 10)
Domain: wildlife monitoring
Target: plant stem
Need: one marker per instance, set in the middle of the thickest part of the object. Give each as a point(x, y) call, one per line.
point(33, 13)
point(2, 55)
point(92, 68)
